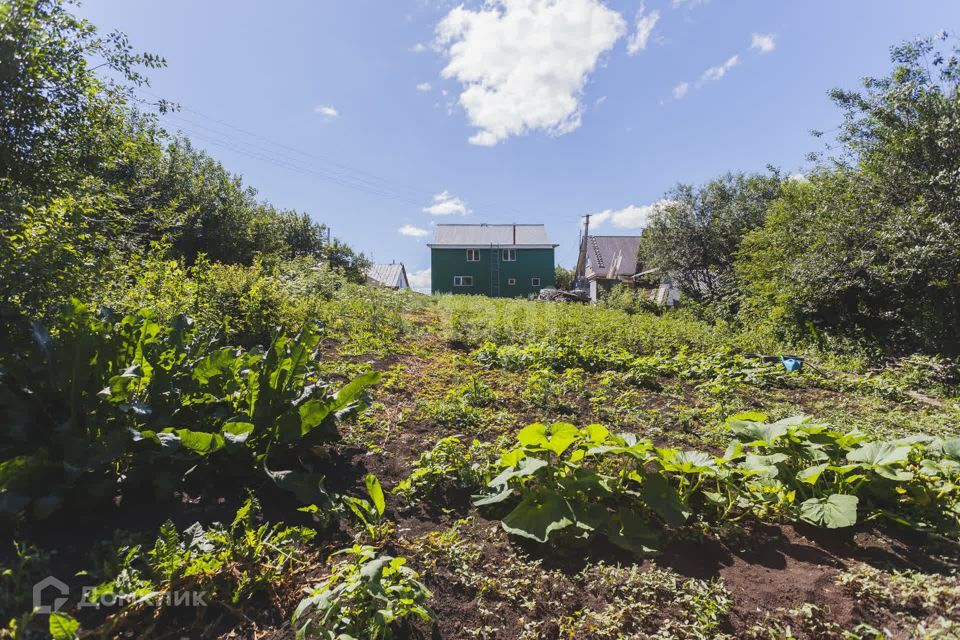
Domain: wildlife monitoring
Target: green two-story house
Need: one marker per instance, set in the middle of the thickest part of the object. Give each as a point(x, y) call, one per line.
point(497, 260)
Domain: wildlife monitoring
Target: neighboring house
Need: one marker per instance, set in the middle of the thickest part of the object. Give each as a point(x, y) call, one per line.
point(497, 260)
point(610, 260)
point(392, 275)
point(664, 293)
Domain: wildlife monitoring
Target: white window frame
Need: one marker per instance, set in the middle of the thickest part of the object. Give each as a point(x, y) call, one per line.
point(508, 255)
point(473, 255)
point(534, 282)
point(511, 281)
point(463, 281)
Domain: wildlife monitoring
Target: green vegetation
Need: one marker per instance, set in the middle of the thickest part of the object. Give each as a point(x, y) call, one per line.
point(198, 394)
point(366, 596)
point(577, 483)
point(862, 246)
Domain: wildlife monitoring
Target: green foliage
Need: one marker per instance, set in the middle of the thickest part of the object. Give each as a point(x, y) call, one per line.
point(60, 118)
point(563, 278)
point(230, 564)
point(26, 566)
point(366, 596)
point(630, 300)
point(451, 465)
point(574, 484)
point(866, 245)
point(369, 513)
point(63, 627)
point(693, 233)
point(103, 403)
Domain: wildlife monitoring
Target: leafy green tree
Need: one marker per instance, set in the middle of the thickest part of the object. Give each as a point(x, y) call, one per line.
point(59, 118)
point(564, 277)
point(869, 244)
point(694, 232)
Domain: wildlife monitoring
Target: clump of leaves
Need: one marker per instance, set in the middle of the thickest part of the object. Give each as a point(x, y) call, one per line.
point(545, 389)
point(365, 596)
point(574, 483)
point(229, 563)
point(103, 402)
point(369, 513)
point(475, 393)
point(452, 413)
point(450, 465)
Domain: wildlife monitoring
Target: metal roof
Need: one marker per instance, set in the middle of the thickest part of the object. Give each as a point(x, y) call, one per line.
point(459, 235)
point(388, 275)
point(611, 257)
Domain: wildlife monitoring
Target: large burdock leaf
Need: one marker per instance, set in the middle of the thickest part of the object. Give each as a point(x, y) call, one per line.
point(596, 433)
point(62, 627)
point(237, 432)
point(201, 442)
point(833, 511)
point(375, 491)
point(557, 437)
point(313, 412)
point(538, 515)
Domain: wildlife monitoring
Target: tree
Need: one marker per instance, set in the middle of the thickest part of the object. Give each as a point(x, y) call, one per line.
point(564, 278)
point(59, 118)
point(694, 232)
point(868, 244)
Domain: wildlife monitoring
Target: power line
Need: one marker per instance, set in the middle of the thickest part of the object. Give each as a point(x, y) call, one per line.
point(341, 174)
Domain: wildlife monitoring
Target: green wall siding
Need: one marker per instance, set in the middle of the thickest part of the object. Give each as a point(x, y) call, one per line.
point(530, 263)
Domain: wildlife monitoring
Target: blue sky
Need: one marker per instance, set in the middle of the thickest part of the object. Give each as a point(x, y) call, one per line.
point(384, 117)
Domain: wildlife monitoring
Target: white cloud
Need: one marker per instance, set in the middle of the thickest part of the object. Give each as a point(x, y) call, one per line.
point(326, 111)
point(717, 72)
point(631, 217)
point(763, 42)
point(523, 63)
point(418, 48)
point(645, 24)
point(445, 204)
point(424, 86)
point(420, 280)
point(690, 4)
point(681, 90)
point(599, 101)
point(412, 231)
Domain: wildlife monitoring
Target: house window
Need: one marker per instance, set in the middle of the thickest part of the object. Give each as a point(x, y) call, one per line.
point(509, 255)
point(511, 281)
point(534, 282)
point(473, 255)
point(463, 281)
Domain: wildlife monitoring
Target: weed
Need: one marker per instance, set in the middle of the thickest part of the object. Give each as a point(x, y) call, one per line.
point(365, 596)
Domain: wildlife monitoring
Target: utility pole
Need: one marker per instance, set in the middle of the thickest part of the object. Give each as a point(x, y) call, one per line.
point(581, 271)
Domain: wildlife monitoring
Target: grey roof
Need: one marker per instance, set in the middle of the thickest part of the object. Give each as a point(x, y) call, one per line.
point(612, 257)
point(487, 234)
point(387, 274)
